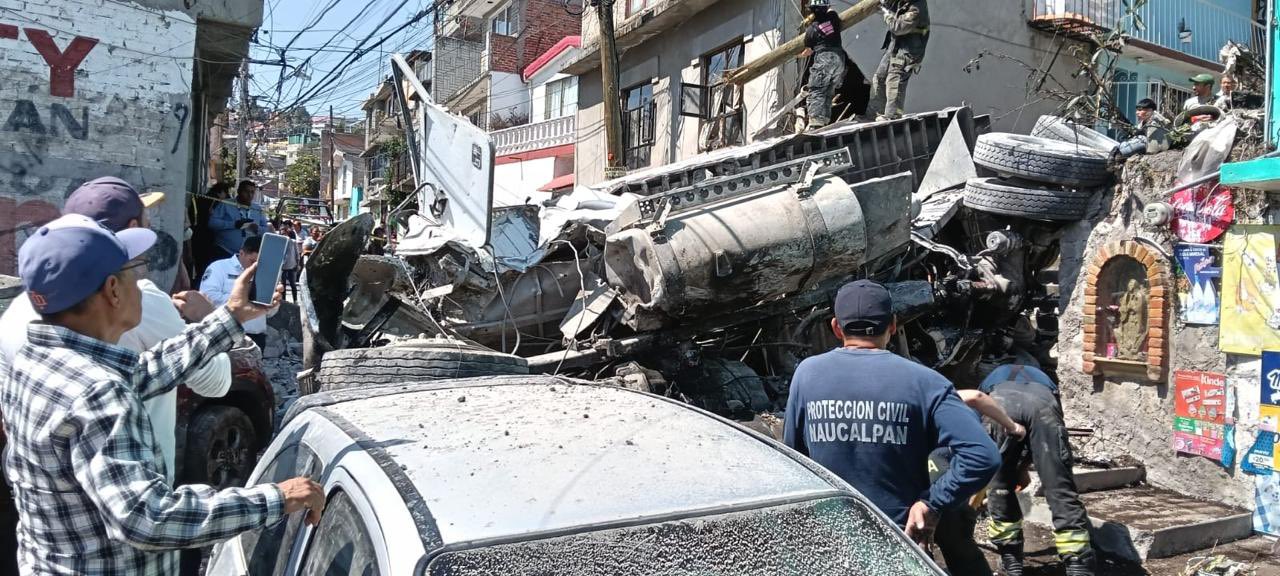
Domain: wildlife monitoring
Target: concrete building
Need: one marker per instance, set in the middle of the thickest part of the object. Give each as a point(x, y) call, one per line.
point(536, 159)
point(1178, 39)
point(488, 45)
point(125, 89)
point(991, 55)
point(349, 176)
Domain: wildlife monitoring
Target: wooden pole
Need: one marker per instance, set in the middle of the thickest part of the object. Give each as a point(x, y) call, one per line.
point(793, 47)
point(612, 96)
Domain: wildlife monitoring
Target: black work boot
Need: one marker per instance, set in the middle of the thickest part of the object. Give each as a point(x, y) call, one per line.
point(1010, 559)
point(1079, 564)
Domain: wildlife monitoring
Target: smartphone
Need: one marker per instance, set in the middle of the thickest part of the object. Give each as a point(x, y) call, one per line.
point(270, 263)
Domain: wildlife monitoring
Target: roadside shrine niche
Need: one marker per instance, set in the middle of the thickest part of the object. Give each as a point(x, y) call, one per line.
point(1125, 314)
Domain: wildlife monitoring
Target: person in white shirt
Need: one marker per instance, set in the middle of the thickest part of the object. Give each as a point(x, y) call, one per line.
point(115, 204)
point(1202, 87)
point(1225, 95)
point(220, 278)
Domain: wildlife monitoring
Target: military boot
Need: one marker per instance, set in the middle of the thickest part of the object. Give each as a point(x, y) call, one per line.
point(1079, 564)
point(1010, 559)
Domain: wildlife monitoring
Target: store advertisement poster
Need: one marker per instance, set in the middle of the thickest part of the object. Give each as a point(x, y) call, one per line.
point(1200, 410)
point(1250, 300)
point(1200, 299)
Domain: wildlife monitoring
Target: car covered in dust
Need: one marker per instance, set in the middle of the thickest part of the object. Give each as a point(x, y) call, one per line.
point(710, 279)
point(446, 478)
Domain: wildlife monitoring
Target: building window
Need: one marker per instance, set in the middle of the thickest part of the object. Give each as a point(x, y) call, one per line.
point(637, 125)
point(559, 98)
point(637, 6)
point(506, 22)
point(722, 125)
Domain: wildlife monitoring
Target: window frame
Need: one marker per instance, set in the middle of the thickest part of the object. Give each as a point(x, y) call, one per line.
point(509, 18)
point(637, 150)
point(637, 6)
point(562, 90)
point(715, 92)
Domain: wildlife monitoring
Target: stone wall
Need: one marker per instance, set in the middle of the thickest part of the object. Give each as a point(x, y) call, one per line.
point(1133, 415)
point(93, 89)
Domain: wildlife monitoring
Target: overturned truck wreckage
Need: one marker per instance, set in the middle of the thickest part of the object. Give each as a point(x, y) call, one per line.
point(707, 280)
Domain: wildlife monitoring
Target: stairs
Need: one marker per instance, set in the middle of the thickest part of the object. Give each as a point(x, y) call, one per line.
point(1135, 522)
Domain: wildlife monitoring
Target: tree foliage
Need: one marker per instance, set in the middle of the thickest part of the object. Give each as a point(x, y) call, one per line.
point(303, 176)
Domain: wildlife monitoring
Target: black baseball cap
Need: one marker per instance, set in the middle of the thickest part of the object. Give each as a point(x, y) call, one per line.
point(1146, 104)
point(864, 308)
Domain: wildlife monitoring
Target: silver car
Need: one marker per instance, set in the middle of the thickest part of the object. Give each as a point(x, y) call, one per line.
point(544, 475)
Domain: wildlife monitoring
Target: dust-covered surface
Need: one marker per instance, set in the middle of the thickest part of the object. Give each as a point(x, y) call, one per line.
point(1042, 558)
point(502, 460)
point(833, 536)
point(1148, 508)
point(1131, 417)
point(282, 360)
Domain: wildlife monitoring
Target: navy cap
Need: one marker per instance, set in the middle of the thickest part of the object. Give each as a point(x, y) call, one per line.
point(864, 308)
point(67, 260)
point(111, 201)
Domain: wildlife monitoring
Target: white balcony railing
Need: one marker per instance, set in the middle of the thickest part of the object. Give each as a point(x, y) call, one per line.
point(536, 136)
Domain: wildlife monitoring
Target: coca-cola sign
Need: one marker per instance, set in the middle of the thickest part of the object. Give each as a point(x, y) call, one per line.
point(1202, 213)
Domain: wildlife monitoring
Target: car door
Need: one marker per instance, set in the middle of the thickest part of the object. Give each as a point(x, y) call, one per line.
point(266, 551)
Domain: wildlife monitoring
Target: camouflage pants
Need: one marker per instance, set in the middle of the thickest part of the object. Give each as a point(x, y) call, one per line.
point(889, 86)
point(825, 77)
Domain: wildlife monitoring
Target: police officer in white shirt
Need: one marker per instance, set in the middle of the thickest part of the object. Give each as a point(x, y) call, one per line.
point(220, 277)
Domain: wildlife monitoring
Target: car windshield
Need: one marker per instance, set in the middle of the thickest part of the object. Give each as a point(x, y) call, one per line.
point(830, 536)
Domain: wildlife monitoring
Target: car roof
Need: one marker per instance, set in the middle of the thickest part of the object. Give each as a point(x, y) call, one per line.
point(504, 457)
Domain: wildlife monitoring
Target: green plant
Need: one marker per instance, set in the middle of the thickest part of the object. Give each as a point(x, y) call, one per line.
point(303, 176)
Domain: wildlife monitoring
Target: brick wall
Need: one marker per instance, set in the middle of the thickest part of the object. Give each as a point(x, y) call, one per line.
point(93, 89)
point(542, 24)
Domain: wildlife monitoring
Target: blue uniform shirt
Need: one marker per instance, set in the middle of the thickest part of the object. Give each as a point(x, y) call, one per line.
point(872, 418)
point(222, 221)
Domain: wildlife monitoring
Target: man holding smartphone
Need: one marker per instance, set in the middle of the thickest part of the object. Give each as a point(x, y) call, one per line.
point(220, 278)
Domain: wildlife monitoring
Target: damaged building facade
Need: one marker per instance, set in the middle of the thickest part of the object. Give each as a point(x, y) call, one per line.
point(125, 89)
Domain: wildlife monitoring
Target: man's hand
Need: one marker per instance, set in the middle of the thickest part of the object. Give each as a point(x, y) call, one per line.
point(241, 304)
point(192, 305)
point(921, 521)
point(301, 493)
point(1019, 431)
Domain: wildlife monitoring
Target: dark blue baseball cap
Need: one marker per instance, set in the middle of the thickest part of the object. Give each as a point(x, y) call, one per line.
point(67, 260)
point(864, 308)
point(111, 201)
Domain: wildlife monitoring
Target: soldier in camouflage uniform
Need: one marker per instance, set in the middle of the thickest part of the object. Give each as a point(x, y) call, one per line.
point(904, 44)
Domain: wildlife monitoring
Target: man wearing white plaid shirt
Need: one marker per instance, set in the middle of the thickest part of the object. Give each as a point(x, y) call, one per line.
point(87, 475)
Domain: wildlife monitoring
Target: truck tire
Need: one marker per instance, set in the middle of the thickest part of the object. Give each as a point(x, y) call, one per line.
point(1025, 199)
point(222, 447)
point(1042, 160)
point(1056, 128)
point(357, 367)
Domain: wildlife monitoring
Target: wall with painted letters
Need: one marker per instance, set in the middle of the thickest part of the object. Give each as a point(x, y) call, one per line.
point(93, 88)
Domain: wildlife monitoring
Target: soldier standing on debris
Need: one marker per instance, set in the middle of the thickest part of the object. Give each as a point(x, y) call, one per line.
point(904, 44)
point(826, 74)
point(873, 417)
point(1030, 398)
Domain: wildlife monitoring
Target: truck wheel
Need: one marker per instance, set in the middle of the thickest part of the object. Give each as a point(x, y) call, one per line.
point(1056, 128)
point(413, 361)
point(1025, 199)
point(222, 447)
point(1042, 160)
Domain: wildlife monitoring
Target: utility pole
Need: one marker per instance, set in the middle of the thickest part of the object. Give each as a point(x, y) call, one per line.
point(242, 143)
point(333, 148)
point(614, 167)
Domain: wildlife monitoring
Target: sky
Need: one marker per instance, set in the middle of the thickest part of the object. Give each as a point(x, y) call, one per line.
point(318, 46)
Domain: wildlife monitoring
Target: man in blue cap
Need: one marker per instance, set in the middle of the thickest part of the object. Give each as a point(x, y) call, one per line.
point(873, 417)
point(118, 206)
point(88, 479)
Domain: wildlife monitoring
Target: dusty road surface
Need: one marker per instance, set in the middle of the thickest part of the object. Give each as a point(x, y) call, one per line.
point(1042, 560)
